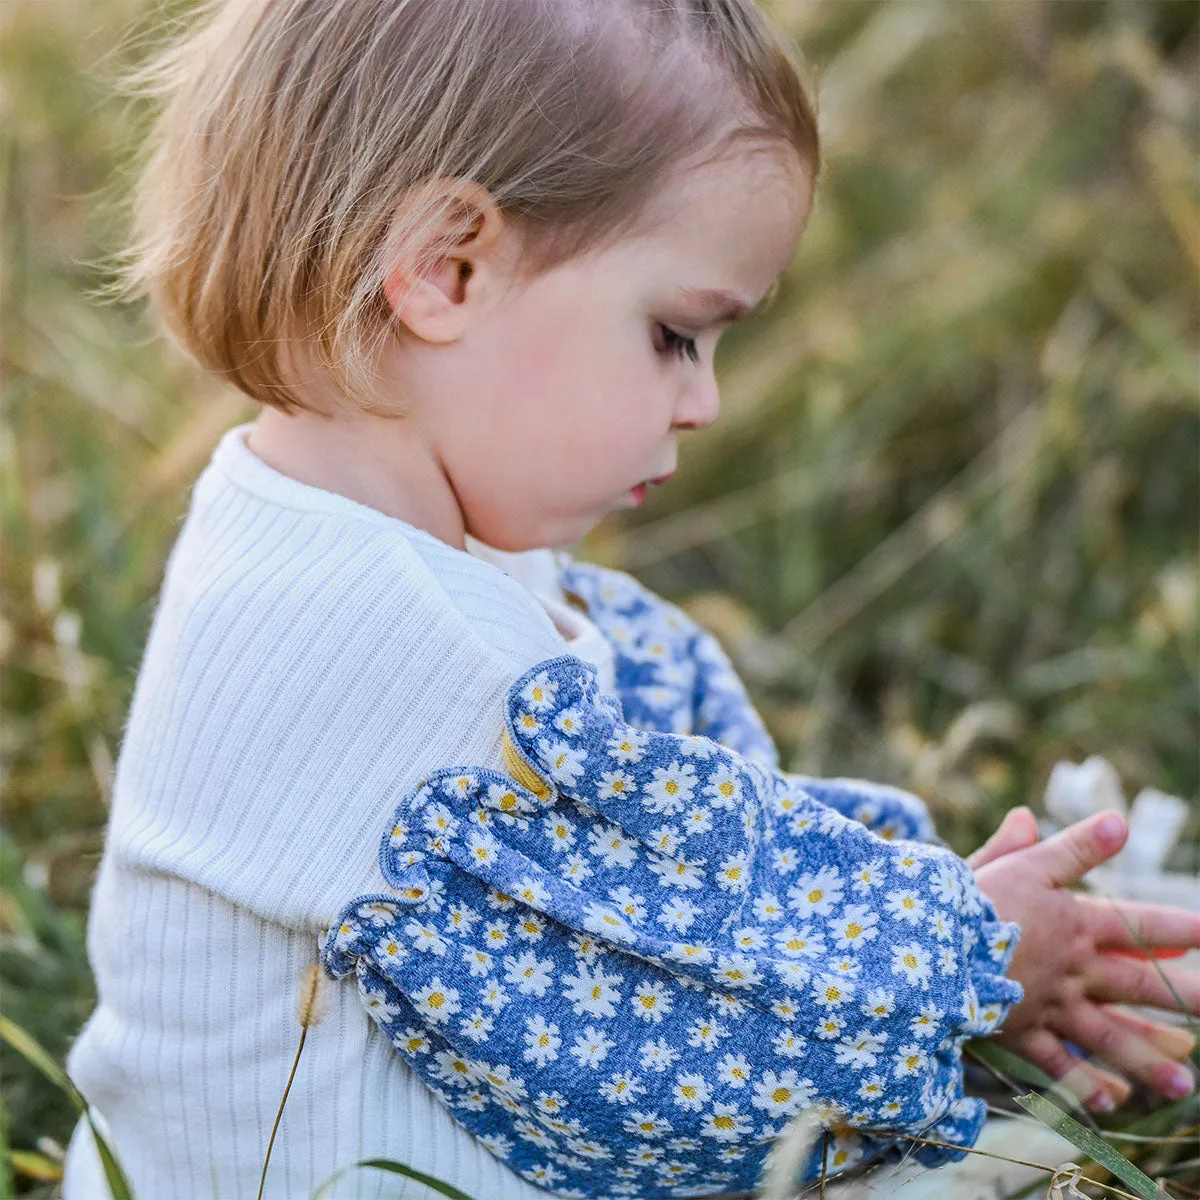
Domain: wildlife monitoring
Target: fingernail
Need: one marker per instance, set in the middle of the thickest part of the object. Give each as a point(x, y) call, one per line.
point(1111, 828)
point(1179, 1082)
point(1102, 1102)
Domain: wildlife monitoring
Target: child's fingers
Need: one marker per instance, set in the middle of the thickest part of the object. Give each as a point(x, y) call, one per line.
point(1017, 831)
point(1094, 1029)
point(1172, 1040)
point(1070, 854)
point(1087, 1081)
point(1132, 924)
point(1124, 980)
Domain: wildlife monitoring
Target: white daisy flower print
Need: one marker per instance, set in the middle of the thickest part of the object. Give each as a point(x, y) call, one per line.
point(438, 819)
point(576, 869)
point(785, 861)
point(749, 937)
point(530, 927)
point(586, 948)
point(859, 1051)
point(816, 892)
point(857, 925)
point(527, 724)
point(676, 872)
point(460, 787)
point(671, 789)
point(378, 1004)
point(498, 1144)
point(793, 974)
point(425, 938)
point(691, 1091)
point(508, 801)
point(651, 1001)
point(697, 820)
point(454, 1069)
point(436, 1002)
point(647, 1125)
point(783, 1094)
point(562, 760)
point(844, 1151)
point(589, 1150)
point(591, 1047)
point(540, 693)
point(705, 1034)
point(734, 1070)
point(926, 1022)
point(910, 864)
point(665, 839)
point(559, 831)
point(733, 875)
point(872, 1088)
point(724, 788)
point(494, 994)
point(593, 991)
point(551, 1103)
point(904, 905)
point(947, 960)
point(677, 914)
point(622, 1088)
point(412, 1041)
point(830, 1027)
point(832, 992)
point(726, 1123)
point(946, 885)
point(737, 971)
point(496, 934)
point(657, 1055)
point(768, 907)
point(688, 952)
point(600, 918)
point(617, 784)
point(613, 846)
point(501, 1079)
point(483, 848)
point(542, 1041)
point(569, 722)
point(879, 1003)
point(388, 949)
point(847, 966)
point(477, 1026)
point(461, 918)
point(532, 892)
point(789, 1045)
point(529, 974)
point(912, 961)
point(998, 943)
point(627, 746)
point(910, 1060)
point(868, 876)
point(800, 942)
point(631, 907)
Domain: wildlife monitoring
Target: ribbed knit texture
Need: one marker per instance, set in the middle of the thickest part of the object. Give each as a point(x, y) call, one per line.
point(310, 660)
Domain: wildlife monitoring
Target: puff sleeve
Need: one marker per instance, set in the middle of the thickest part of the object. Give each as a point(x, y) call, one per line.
point(625, 964)
point(674, 675)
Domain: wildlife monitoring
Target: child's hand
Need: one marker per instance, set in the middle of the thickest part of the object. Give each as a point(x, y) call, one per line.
point(1064, 959)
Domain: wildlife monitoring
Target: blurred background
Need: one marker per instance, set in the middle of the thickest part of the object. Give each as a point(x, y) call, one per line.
point(946, 525)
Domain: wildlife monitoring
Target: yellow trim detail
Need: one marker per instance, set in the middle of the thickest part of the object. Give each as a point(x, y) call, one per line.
point(521, 771)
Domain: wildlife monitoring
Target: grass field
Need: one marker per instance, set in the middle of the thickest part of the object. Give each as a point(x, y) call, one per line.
point(946, 523)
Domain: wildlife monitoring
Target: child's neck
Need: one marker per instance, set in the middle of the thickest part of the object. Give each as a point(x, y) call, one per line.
point(377, 461)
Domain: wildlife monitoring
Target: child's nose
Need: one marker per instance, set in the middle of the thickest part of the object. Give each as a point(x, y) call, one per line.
point(699, 408)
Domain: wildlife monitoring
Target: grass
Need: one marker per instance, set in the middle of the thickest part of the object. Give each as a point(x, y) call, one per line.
point(947, 525)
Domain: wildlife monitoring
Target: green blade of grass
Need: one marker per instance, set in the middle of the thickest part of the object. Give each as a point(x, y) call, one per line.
point(394, 1168)
point(1093, 1146)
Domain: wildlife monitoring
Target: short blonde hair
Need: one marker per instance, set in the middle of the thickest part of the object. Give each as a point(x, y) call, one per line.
point(289, 131)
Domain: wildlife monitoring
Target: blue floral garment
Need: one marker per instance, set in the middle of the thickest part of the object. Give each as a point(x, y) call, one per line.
point(625, 964)
point(674, 676)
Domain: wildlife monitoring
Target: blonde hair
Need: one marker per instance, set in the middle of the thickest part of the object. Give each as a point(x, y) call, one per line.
point(290, 131)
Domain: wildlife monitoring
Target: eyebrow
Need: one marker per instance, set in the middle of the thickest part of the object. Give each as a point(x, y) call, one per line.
point(718, 305)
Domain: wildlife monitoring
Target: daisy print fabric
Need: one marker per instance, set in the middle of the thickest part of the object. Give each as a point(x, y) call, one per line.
point(628, 961)
point(673, 675)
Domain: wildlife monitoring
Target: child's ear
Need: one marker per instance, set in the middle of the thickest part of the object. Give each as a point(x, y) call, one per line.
point(454, 266)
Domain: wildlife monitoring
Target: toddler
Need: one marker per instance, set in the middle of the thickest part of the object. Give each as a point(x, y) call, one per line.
point(580, 934)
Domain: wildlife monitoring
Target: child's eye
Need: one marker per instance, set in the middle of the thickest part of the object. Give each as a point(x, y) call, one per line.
point(678, 345)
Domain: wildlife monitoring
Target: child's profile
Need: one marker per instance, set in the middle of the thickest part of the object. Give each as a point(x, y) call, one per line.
point(582, 935)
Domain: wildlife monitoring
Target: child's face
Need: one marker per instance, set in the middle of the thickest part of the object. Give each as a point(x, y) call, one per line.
point(560, 396)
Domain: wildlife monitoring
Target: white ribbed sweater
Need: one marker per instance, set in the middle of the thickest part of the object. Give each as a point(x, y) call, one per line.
point(310, 659)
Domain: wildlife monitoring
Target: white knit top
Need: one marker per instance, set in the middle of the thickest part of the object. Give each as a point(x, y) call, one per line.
point(310, 659)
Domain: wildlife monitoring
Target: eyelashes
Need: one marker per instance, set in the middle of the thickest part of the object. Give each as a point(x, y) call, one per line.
point(679, 346)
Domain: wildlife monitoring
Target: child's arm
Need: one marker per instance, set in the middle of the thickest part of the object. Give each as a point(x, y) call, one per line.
point(661, 652)
point(648, 923)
